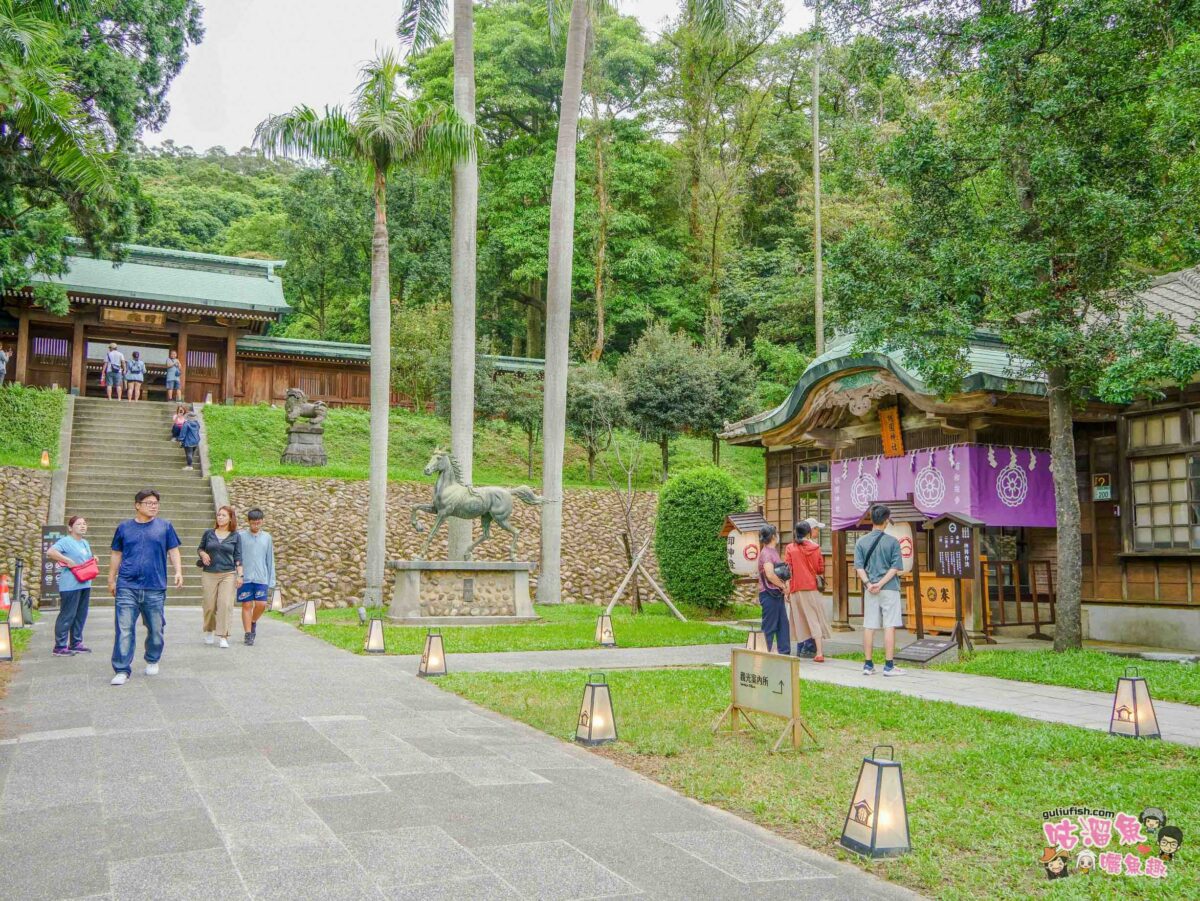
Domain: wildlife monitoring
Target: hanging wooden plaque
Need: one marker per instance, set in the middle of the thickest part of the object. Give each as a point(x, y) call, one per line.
point(889, 431)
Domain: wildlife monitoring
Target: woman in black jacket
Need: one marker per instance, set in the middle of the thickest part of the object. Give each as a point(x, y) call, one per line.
point(220, 554)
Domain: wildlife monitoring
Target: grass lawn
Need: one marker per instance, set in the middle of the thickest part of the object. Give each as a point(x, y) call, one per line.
point(976, 781)
point(566, 627)
point(254, 438)
point(20, 640)
point(1094, 670)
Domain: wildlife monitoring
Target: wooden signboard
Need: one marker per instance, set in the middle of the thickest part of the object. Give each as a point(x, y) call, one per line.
point(925, 650)
point(953, 550)
point(48, 578)
point(762, 682)
point(890, 432)
point(132, 317)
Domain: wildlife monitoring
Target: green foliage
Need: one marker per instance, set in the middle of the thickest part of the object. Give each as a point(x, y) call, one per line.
point(691, 552)
point(595, 406)
point(255, 436)
point(520, 400)
point(781, 367)
point(30, 419)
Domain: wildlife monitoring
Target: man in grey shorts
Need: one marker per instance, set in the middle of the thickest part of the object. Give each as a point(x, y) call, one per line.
point(878, 564)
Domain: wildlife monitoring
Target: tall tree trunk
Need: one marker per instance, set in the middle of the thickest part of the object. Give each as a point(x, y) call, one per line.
point(381, 373)
point(664, 445)
point(602, 212)
point(462, 267)
point(591, 462)
point(1067, 630)
point(716, 450)
point(529, 454)
point(558, 307)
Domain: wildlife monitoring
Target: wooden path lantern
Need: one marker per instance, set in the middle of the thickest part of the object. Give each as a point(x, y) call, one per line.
point(276, 601)
point(877, 821)
point(6, 649)
point(596, 724)
point(433, 658)
point(309, 616)
point(1133, 710)
point(604, 631)
point(374, 644)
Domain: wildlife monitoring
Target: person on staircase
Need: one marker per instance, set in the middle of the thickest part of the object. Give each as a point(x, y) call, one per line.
point(4, 356)
point(135, 375)
point(72, 553)
point(114, 371)
point(220, 555)
point(258, 571)
point(177, 421)
point(137, 580)
point(174, 377)
point(189, 437)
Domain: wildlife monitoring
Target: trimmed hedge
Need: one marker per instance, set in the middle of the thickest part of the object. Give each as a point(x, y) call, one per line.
point(691, 552)
point(30, 419)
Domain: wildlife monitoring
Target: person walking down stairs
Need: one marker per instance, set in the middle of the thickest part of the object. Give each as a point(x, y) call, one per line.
point(189, 437)
point(220, 554)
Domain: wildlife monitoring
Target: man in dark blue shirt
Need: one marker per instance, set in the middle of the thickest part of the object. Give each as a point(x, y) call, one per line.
point(137, 580)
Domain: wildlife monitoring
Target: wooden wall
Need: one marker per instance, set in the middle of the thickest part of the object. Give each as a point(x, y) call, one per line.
point(267, 381)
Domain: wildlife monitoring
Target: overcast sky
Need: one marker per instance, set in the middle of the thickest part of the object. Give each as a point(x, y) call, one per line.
point(264, 56)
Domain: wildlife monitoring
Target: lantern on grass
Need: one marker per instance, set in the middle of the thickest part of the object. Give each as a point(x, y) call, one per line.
point(229, 464)
point(604, 631)
point(597, 725)
point(374, 641)
point(45, 459)
point(433, 658)
point(877, 822)
point(309, 616)
point(277, 601)
point(1133, 710)
point(16, 614)
point(756, 641)
point(6, 652)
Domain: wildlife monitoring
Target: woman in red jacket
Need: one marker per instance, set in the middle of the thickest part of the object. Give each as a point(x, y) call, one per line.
point(806, 604)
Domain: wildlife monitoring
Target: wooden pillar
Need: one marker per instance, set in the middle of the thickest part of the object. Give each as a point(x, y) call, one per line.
point(22, 347)
point(181, 349)
point(78, 345)
point(230, 363)
point(841, 586)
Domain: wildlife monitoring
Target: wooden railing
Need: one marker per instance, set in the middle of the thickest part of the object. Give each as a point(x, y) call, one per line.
point(1015, 604)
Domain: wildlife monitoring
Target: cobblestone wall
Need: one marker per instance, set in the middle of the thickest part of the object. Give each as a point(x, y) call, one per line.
point(24, 505)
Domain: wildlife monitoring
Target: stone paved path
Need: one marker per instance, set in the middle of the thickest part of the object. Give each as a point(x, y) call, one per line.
point(1090, 709)
point(293, 770)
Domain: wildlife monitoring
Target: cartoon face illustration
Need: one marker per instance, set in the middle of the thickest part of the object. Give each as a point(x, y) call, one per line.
point(1169, 840)
point(1085, 862)
point(1055, 862)
point(1153, 819)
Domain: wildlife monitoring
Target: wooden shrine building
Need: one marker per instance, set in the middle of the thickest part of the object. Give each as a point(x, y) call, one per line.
point(863, 427)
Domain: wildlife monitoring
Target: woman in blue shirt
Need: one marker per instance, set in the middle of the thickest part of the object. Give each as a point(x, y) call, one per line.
point(74, 596)
point(135, 374)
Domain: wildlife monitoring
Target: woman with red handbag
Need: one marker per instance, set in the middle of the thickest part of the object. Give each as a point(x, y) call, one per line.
point(77, 568)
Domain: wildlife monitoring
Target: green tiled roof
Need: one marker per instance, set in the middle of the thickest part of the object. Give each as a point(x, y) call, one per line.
point(179, 277)
point(990, 368)
point(303, 347)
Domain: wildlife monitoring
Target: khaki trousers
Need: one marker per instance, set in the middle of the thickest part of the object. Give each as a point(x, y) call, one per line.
point(219, 592)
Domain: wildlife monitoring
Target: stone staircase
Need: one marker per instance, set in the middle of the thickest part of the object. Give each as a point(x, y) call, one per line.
point(117, 449)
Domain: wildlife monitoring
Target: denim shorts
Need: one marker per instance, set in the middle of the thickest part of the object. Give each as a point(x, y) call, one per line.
point(251, 592)
point(112, 378)
point(172, 384)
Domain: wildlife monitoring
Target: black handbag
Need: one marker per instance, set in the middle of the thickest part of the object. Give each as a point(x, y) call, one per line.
point(782, 571)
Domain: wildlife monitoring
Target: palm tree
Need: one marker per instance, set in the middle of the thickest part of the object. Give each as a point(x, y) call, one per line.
point(422, 23)
point(382, 130)
point(712, 18)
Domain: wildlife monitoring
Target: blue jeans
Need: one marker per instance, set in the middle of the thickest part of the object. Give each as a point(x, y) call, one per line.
point(72, 614)
point(775, 621)
point(130, 603)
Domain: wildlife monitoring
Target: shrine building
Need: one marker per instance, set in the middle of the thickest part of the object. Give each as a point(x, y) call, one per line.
point(862, 427)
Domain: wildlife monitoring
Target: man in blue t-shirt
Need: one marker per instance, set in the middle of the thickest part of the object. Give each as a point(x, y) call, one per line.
point(137, 580)
point(878, 562)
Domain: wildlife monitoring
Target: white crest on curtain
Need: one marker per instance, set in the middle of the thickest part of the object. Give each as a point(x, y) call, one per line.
point(1012, 485)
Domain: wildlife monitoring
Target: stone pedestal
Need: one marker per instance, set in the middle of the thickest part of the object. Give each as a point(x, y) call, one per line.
point(306, 445)
point(460, 592)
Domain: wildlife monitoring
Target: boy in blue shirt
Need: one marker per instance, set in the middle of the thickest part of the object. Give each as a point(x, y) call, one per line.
point(258, 573)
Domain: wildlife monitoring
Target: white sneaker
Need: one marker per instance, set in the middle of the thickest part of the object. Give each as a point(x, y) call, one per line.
point(892, 671)
point(187, 469)
point(224, 643)
point(119, 679)
point(208, 638)
point(151, 669)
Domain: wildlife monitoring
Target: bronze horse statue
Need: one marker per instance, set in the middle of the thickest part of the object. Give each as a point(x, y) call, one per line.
point(452, 497)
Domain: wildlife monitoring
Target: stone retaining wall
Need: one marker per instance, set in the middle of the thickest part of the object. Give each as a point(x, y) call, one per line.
point(318, 525)
point(24, 505)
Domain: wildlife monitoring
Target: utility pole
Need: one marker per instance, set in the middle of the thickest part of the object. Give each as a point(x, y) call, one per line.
point(818, 292)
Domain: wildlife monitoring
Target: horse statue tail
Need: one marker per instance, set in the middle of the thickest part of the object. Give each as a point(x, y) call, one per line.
point(525, 493)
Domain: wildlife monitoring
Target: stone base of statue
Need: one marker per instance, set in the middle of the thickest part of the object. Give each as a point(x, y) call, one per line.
point(460, 592)
point(306, 445)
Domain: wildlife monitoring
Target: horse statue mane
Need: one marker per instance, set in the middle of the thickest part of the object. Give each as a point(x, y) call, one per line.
point(298, 406)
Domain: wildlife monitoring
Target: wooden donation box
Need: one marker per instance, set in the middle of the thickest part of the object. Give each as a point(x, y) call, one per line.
point(762, 682)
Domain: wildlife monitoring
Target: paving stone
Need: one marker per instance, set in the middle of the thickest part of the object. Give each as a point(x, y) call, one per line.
point(200, 875)
point(260, 847)
point(740, 856)
point(325, 780)
point(395, 761)
point(165, 832)
point(334, 882)
point(357, 813)
point(554, 871)
point(476, 888)
point(404, 857)
point(450, 746)
point(492, 770)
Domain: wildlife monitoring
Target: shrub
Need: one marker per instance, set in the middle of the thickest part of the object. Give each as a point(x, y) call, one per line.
point(691, 552)
point(30, 419)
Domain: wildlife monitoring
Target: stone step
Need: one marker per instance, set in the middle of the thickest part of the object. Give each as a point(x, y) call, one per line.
point(118, 499)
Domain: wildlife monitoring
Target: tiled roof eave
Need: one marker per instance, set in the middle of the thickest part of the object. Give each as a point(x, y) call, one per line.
point(190, 307)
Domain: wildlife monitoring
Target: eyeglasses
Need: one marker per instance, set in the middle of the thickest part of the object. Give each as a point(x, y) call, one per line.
point(148, 502)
